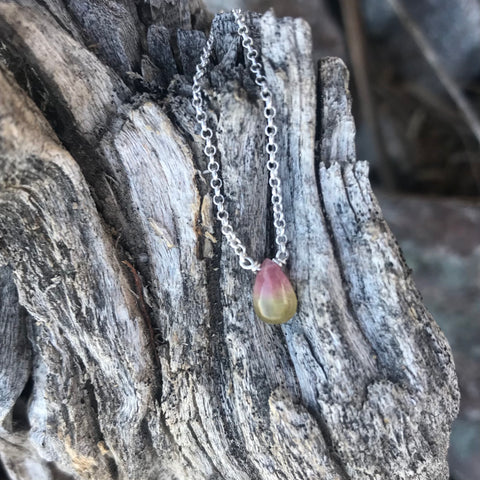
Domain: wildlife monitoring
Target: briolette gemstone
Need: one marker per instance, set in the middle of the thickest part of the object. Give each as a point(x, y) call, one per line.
point(274, 299)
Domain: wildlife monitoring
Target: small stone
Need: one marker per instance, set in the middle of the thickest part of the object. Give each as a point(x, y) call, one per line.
point(274, 299)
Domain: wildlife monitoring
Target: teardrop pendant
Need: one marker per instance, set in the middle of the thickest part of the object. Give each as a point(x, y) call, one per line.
point(274, 299)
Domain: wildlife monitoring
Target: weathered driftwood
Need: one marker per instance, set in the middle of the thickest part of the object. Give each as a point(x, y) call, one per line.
point(107, 167)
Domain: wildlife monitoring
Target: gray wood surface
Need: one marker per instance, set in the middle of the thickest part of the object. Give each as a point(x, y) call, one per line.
point(101, 163)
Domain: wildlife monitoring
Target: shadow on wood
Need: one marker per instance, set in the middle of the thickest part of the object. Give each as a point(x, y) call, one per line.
point(99, 165)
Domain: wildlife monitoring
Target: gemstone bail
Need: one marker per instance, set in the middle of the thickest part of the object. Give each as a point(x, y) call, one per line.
point(274, 299)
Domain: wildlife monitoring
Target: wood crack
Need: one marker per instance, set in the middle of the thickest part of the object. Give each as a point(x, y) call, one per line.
point(221, 376)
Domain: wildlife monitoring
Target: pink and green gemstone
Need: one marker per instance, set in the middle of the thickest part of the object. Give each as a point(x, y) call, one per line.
point(274, 299)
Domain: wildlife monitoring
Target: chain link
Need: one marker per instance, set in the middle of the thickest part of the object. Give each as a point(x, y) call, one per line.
point(271, 148)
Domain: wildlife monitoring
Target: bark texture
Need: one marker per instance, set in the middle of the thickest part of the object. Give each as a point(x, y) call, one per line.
point(158, 368)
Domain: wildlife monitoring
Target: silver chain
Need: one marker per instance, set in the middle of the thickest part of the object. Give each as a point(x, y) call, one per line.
point(271, 148)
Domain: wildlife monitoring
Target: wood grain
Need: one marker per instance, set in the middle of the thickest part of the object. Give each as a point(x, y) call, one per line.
point(98, 167)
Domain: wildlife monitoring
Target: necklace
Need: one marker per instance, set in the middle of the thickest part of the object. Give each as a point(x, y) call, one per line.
point(274, 299)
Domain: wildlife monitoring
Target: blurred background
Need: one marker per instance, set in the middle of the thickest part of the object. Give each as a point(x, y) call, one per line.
point(415, 82)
